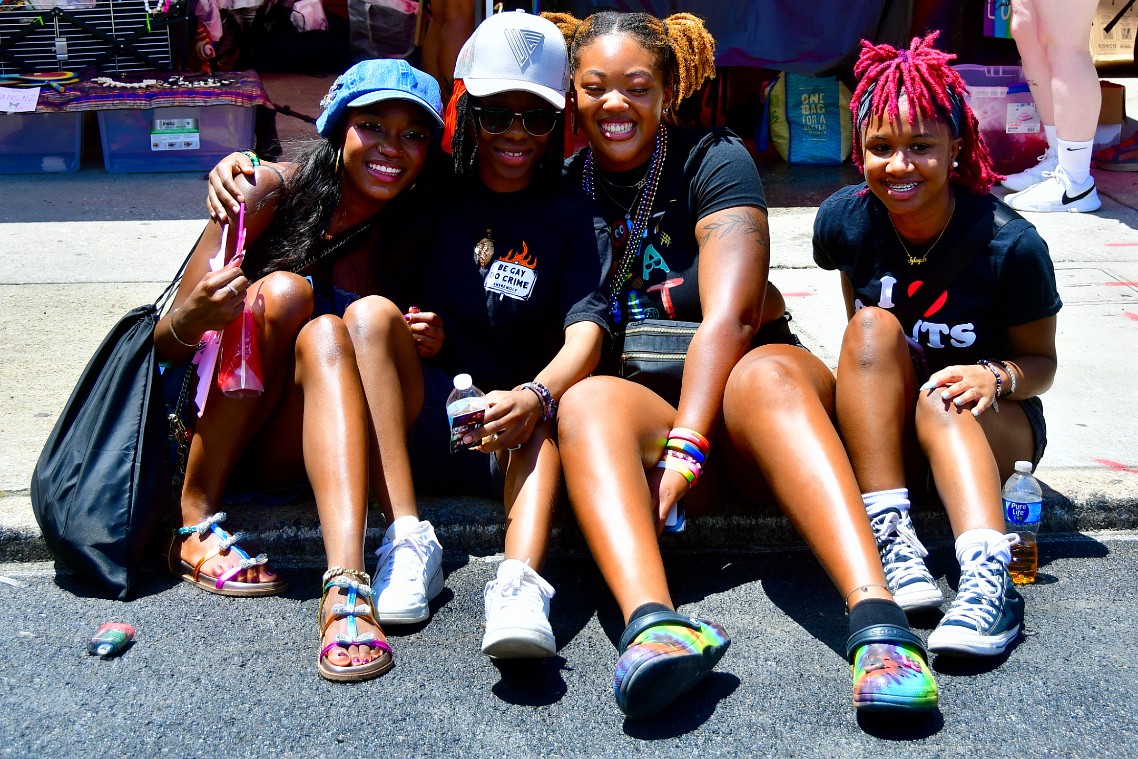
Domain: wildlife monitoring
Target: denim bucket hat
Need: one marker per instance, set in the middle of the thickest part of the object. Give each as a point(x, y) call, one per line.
point(372, 81)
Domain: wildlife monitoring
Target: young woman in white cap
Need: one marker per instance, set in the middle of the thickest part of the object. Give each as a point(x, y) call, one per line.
point(325, 410)
point(512, 261)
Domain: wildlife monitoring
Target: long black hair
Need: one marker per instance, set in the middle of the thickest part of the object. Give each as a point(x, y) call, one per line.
point(308, 198)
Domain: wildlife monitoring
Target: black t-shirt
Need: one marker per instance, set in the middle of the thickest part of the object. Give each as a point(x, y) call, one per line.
point(703, 172)
point(1010, 284)
point(505, 322)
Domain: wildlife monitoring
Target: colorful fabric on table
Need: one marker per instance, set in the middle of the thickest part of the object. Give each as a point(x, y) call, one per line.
point(239, 88)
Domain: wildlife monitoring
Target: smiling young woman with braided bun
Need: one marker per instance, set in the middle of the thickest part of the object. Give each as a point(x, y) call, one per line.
point(752, 416)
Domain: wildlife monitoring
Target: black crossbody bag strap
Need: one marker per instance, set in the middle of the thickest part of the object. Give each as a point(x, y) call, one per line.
point(954, 263)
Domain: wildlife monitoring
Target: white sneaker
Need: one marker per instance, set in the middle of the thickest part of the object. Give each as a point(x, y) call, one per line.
point(1057, 193)
point(517, 614)
point(409, 573)
point(902, 558)
point(1048, 162)
point(987, 614)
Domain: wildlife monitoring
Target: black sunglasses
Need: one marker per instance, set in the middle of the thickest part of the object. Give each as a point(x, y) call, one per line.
point(538, 122)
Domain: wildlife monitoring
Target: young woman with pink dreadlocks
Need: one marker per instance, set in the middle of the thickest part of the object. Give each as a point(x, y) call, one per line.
point(947, 383)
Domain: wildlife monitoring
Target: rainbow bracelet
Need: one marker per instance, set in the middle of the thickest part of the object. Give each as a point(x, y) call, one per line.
point(693, 437)
point(685, 446)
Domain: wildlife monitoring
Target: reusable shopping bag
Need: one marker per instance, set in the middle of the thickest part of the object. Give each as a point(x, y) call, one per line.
point(808, 119)
point(102, 482)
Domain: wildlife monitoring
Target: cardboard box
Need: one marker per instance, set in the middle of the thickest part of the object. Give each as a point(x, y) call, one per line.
point(1111, 116)
point(1115, 45)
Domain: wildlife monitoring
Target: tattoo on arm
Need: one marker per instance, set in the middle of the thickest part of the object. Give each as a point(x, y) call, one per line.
point(731, 224)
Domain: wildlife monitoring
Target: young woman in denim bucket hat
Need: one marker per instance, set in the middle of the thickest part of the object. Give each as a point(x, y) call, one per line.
point(311, 230)
point(512, 261)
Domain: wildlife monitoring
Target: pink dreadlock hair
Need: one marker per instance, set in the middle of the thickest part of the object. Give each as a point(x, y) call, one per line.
point(933, 88)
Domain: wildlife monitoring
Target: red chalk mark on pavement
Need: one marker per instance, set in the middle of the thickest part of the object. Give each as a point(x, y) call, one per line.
point(1130, 315)
point(1115, 466)
point(1121, 244)
point(797, 295)
point(1120, 284)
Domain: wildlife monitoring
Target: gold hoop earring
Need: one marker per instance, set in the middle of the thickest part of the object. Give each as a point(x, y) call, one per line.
point(336, 166)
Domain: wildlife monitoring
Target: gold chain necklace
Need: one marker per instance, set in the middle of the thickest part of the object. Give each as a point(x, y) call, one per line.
point(913, 260)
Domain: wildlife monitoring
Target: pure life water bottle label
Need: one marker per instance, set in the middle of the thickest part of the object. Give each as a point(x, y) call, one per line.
point(1023, 513)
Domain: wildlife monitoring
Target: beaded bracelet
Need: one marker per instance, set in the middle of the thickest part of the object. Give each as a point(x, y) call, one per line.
point(252, 157)
point(195, 346)
point(548, 405)
point(686, 447)
point(1011, 379)
point(999, 382)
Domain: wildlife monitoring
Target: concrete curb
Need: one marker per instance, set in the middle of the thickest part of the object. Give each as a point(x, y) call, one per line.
point(1075, 501)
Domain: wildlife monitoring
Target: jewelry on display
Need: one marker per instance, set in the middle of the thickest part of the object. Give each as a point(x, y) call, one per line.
point(913, 260)
point(484, 250)
point(643, 211)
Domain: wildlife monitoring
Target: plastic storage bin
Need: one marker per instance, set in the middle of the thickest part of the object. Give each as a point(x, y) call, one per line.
point(40, 143)
point(1003, 105)
point(184, 138)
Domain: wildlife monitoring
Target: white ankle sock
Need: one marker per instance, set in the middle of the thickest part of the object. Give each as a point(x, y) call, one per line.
point(1075, 159)
point(1052, 137)
point(879, 500)
point(969, 540)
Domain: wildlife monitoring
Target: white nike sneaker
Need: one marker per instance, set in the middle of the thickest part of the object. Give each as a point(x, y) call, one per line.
point(409, 573)
point(517, 614)
point(1057, 193)
point(1049, 161)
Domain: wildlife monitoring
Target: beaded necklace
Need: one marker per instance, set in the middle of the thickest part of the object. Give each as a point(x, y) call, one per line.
point(643, 212)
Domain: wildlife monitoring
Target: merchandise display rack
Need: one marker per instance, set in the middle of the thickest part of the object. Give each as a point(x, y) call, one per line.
point(111, 36)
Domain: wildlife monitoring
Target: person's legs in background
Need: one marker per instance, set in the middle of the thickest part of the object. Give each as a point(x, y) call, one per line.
point(1052, 38)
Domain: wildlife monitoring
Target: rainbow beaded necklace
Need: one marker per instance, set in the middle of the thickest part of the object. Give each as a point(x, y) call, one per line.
point(639, 221)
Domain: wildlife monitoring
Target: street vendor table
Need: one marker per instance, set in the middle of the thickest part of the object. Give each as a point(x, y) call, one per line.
point(152, 122)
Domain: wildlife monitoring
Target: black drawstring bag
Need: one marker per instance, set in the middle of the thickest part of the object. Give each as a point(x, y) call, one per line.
point(102, 482)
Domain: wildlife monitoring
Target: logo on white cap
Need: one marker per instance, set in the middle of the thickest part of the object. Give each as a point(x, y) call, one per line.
point(523, 43)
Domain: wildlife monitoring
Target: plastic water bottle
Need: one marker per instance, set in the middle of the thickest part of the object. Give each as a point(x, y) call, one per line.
point(1023, 509)
point(466, 408)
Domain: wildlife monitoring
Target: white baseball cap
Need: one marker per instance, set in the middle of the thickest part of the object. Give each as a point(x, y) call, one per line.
point(515, 51)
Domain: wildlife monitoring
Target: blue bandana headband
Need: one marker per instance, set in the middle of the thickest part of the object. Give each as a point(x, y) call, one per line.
point(954, 116)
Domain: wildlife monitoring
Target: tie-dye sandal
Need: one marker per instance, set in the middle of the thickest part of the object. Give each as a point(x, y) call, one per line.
point(357, 584)
point(663, 654)
point(890, 670)
point(223, 585)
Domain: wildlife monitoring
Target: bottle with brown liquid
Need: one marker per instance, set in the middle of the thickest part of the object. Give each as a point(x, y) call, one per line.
point(1023, 511)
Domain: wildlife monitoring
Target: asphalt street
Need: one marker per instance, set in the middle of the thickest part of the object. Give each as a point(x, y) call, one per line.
point(212, 676)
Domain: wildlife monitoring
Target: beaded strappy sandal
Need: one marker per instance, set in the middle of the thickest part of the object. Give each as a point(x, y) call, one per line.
point(224, 585)
point(357, 585)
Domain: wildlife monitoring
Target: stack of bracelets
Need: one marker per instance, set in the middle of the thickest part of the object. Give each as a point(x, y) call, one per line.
point(685, 452)
point(548, 405)
point(990, 366)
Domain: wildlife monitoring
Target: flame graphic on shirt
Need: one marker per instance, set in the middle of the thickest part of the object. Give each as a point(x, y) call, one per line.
point(522, 259)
